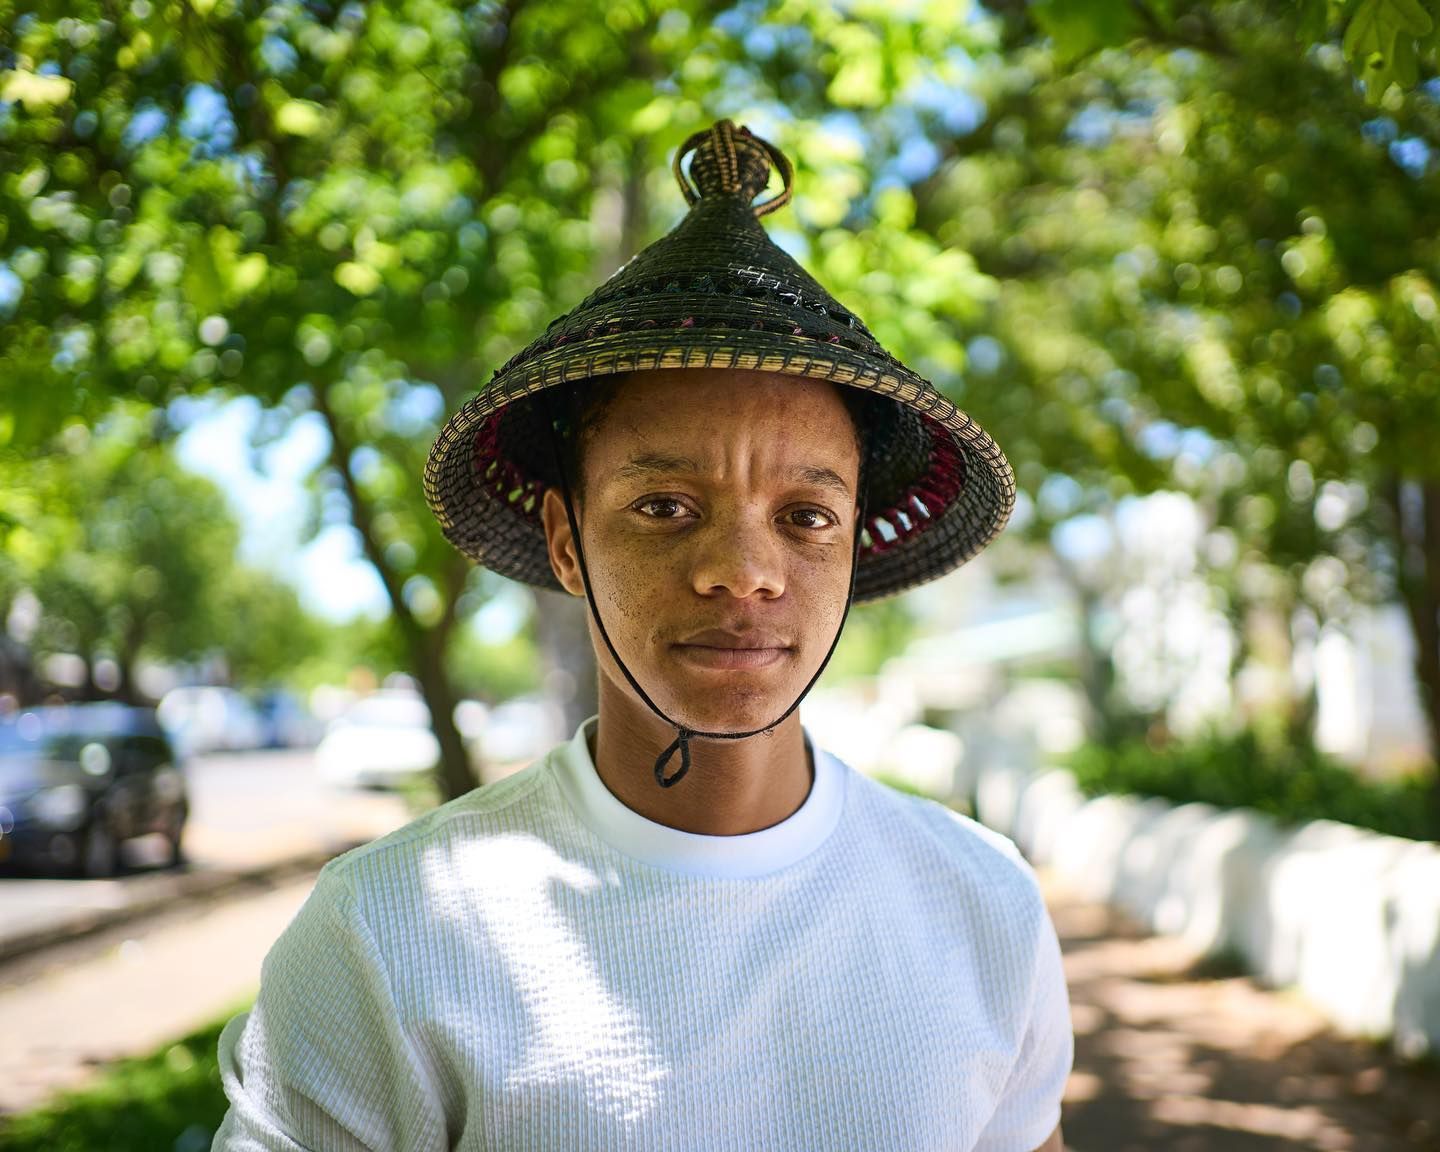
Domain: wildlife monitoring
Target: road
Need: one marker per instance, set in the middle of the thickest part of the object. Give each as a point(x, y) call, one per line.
point(248, 810)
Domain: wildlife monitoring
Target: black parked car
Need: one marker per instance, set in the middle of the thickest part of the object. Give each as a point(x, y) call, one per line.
point(76, 780)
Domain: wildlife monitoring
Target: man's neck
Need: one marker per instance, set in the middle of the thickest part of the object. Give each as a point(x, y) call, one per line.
point(733, 786)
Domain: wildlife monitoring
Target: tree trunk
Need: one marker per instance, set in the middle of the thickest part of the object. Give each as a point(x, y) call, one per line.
point(569, 660)
point(90, 690)
point(561, 621)
point(455, 775)
point(426, 645)
point(1097, 669)
point(125, 659)
point(1416, 507)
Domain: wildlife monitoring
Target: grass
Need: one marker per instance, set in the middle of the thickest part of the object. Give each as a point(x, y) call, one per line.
point(170, 1101)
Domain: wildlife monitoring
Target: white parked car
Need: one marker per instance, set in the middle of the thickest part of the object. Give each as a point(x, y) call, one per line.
point(210, 719)
point(379, 741)
point(519, 730)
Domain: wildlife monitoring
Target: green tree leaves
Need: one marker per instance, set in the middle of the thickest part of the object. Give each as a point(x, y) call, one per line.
point(1383, 40)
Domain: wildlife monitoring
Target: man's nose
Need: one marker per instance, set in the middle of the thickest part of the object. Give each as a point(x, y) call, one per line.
point(739, 554)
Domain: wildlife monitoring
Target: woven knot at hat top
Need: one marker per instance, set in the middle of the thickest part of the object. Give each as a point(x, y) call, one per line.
point(716, 292)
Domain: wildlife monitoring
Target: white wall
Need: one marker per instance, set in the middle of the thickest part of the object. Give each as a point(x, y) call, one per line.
point(1349, 917)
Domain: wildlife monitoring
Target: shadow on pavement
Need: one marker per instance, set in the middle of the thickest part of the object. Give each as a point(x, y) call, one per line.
point(1191, 1058)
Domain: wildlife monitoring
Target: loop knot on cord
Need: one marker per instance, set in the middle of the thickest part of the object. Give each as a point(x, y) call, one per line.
point(682, 743)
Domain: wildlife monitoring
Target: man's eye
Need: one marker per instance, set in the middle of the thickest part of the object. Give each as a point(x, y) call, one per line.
point(661, 508)
point(810, 518)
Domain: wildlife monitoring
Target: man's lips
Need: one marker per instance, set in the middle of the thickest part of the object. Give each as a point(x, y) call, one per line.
point(717, 648)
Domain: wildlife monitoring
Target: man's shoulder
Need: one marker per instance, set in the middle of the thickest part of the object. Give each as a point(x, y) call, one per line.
point(951, 844)
point(522, 798)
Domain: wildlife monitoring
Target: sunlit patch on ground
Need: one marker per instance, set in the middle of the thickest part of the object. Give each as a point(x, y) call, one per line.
point(1170, 1056)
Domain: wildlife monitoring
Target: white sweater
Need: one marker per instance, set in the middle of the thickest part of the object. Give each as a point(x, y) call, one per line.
point(536, 966)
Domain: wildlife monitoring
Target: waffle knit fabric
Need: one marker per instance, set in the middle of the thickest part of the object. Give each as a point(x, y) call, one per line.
point(536, 966)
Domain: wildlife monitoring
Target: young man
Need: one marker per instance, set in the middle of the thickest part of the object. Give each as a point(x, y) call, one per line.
point(688, 927)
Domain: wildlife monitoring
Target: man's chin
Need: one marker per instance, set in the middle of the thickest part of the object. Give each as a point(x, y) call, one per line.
point(724, 700)
point(732, 708)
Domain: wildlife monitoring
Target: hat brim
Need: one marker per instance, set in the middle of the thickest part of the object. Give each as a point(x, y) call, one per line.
point(490, 510)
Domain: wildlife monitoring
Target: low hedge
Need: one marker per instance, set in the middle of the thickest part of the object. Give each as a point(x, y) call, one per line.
point(1292, 784)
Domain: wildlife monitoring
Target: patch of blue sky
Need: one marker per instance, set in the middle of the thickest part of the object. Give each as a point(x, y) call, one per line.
point(146, 123)
point(248, 168)
point(207, 119)
point(761, 42)
point(1116, 409)
point(503, 614)
point(1083, 540)
point(958, 109)
point(1159, 439)
point(414, 409)
point(1163, 440)
point(985, 355)
point(1379, 130)
point(739, 20)
point(12, 291)
point(846, 125)
point(1412, 155)
point(918, 158)
point(1199, 445)
point(1059, 496)
point(75, 347)
point(366, 463)
point(266, 490)
point(794, 244)
point(1093, 125)
point(278, 55)
point(335, 581)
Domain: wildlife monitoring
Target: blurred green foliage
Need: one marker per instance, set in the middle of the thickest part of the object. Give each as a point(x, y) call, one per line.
point(1383, 41)
point(129, 555)
point(1216, 269)
point(171, 1100)
point(1294, 783)
point(1103, 227)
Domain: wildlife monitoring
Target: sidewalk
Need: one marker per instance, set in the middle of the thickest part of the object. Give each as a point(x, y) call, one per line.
point(72, 1009)
point(39, 913)
point(1166, 1057)
point(1169, 1057)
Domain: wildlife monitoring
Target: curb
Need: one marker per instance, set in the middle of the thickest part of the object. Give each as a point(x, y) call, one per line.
point(169, 890)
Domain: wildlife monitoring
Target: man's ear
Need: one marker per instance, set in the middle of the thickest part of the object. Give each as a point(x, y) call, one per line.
point(560, 543)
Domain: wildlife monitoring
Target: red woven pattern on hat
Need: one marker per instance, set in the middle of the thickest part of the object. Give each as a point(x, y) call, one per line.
point(924, 501)
point(495, 471)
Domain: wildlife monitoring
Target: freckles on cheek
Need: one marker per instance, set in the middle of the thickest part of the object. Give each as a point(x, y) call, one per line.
point(631, 586)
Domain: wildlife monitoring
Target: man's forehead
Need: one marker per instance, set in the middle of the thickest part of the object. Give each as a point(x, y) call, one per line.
point(644, 463)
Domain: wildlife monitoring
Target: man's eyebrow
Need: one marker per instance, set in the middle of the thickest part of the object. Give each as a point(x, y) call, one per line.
point(647, 464)
point(650, 463)
point(823, 478)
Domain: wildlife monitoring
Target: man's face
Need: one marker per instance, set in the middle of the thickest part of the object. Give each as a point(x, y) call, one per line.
point(718, 522)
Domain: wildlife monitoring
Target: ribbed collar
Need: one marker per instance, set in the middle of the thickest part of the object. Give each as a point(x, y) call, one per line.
point(741, 857)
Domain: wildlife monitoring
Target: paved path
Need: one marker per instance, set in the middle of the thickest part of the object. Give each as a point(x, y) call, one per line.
point(1166, 1058)
point(70, 1010)
point(1169, 1057)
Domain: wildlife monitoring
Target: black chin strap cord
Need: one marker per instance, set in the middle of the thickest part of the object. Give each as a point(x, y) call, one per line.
point(683, 735)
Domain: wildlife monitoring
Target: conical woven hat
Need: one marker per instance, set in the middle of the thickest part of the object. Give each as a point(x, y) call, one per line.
point(716, 292)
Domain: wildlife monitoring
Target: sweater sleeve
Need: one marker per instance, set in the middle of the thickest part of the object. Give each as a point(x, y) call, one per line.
point(322, 1062)
point(1029, 1110)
